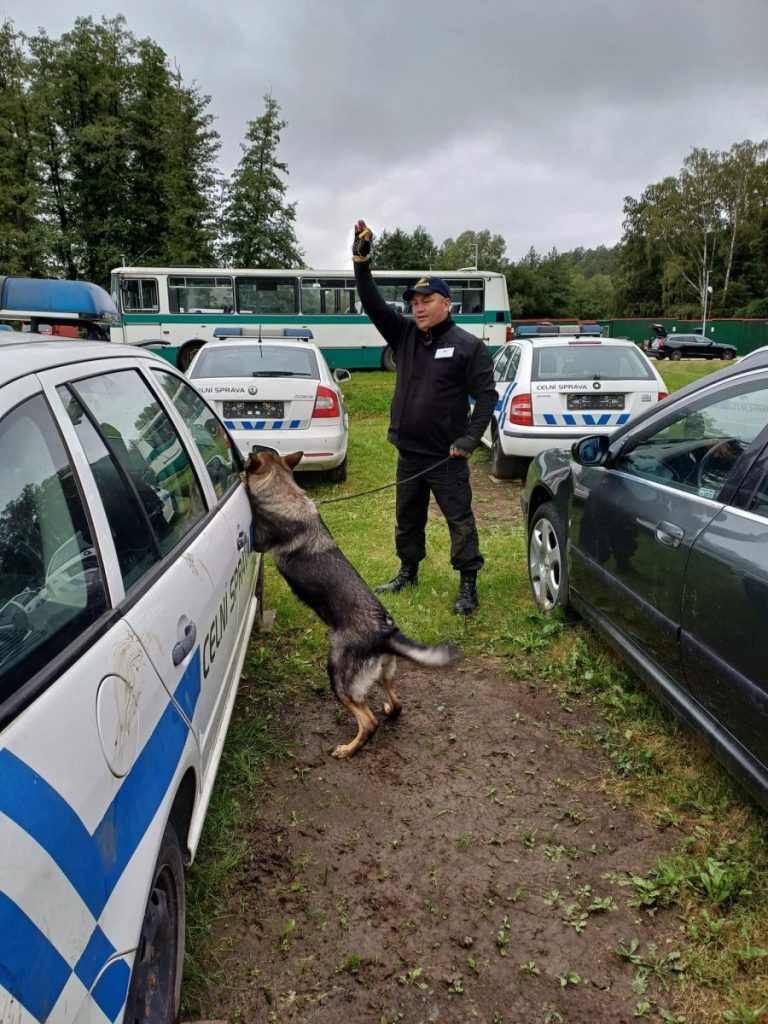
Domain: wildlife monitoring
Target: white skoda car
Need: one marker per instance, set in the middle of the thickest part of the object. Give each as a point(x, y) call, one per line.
point(554, 389)
point(128, 590)
point(277, 394)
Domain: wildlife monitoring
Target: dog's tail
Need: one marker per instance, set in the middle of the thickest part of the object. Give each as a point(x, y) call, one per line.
point(432, 657)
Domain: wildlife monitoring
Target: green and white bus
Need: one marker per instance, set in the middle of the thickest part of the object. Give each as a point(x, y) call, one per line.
point(180, 307)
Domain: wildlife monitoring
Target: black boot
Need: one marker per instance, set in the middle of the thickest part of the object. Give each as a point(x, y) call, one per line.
point(406, 577)
point(466, 602)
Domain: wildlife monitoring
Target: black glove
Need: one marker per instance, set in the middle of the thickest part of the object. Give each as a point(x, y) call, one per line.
point(361, 245)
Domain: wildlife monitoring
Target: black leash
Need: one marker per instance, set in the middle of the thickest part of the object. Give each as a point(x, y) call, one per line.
point(384, 487)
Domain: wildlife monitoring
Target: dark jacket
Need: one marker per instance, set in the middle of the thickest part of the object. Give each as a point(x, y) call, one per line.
point(430, 407)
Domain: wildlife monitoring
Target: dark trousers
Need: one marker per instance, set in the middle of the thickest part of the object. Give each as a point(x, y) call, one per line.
point(449, 483)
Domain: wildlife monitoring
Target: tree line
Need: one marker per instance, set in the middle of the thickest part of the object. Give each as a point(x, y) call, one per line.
point(108, 157)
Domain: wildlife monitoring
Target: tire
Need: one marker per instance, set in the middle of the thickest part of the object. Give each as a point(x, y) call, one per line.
point(388, 361)
point(187, 353)
point(727, 354)
point(676, 354)
point(506, 467)
point(154, 993)
point(338, 474)
point(258, 591)
point(547, 566)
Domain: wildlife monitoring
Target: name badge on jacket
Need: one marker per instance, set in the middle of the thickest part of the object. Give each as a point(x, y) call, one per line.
point(443, 353)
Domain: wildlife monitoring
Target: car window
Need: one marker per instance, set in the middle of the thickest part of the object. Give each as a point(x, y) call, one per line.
point(255, 361)
point(143, 472)
point(589, 362)
point(511, 368)
point(501, 363)
point(51, 582)
point(208, 433)
point(698, 447)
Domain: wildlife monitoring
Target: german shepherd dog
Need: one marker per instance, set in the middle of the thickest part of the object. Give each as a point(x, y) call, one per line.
point(364, 637)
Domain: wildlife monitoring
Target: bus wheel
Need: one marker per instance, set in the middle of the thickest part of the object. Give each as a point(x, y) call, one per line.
point(187, 353)
point(388, 360)
point(155, 989)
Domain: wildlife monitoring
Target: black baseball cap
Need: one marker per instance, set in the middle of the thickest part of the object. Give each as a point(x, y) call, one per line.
point(426, 286)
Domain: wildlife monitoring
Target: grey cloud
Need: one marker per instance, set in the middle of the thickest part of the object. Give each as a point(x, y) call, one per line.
point(532, 118)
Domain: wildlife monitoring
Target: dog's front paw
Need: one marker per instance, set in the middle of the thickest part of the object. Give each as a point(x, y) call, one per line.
point(392, 710)
point(344, 750)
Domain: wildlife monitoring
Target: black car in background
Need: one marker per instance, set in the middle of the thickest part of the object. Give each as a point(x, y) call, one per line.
point(657, 535)
point(690, 346)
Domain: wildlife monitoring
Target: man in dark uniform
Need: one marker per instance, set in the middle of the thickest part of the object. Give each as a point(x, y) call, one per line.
point(439, 367)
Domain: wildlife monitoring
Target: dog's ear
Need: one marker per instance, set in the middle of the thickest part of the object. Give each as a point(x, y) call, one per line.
point(293, 459)
point(255, 463)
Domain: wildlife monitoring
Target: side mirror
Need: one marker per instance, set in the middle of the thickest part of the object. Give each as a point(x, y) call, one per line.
point(341, 375)
point(591, 451)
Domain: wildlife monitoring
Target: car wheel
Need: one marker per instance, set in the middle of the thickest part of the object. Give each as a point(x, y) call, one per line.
point(506, 467)
point(388, 360)
point(727, 354)
point(676, 354)
point(187, 353)
point(547, 568)
point(155, 990)
point(338, 474)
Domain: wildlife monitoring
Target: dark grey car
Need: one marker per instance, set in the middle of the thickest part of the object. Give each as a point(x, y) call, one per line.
point(690, 346)
point(658, 535)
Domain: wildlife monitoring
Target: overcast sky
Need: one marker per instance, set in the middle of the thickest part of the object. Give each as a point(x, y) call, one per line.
point(530, 118)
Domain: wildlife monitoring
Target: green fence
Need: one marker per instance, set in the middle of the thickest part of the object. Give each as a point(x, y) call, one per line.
point(746, 335)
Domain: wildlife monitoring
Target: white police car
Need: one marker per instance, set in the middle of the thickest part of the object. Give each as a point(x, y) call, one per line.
point(128, 588)
point(554, 388)
point(272, 387)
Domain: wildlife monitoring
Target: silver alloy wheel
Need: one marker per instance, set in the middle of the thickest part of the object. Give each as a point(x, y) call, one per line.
point(545, 564)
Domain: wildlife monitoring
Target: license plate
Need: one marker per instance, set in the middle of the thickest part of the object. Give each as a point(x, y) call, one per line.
point(254, 410)
point(577, 402)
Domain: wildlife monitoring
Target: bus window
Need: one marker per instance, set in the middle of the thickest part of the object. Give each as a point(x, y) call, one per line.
point(328, 298)
point(200, 294)
point(139, 295)
point(268, 295)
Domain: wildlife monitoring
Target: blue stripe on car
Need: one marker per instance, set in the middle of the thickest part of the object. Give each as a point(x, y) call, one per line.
point(93, 864)
point(31, 968)
point(266, 425)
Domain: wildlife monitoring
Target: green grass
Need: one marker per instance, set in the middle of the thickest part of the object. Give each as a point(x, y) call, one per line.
point(716, 878)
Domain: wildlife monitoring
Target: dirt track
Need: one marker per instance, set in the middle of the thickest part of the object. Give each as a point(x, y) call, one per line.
point(465, 866)
point(458, 869)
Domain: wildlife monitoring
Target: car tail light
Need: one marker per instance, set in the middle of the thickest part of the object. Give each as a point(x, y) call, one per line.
point(661, 344)
point(662, 394)
point(326, 404)
point(521, 411)
point(509, 333)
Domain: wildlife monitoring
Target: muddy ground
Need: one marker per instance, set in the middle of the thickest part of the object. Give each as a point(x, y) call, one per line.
point(465, 866)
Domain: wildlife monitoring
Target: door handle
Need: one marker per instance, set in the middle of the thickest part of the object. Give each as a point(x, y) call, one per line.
point(242, 540)
point(669, 535)
point(183, 647)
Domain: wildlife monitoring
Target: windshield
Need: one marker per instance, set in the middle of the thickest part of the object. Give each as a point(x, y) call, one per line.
point(255, 361)
point(589, 362)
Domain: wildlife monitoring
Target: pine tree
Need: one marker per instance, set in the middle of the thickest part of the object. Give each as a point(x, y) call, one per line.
point(22, 236)
point(258, 223)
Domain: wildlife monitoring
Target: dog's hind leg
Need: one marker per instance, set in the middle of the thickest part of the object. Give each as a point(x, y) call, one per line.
point(366, 726)
point(392, 705)
point(351, 680)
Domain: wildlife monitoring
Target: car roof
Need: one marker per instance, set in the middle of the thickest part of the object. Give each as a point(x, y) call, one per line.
point(25, 353)
point(228, 342)
point(586, 340)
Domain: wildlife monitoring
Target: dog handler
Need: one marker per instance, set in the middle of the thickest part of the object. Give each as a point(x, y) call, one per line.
point(439, 367)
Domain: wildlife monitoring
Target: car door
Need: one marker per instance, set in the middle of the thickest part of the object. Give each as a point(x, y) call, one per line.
point(725, 596)
point(175, 554)
point(635, 522)
point(234, 561)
